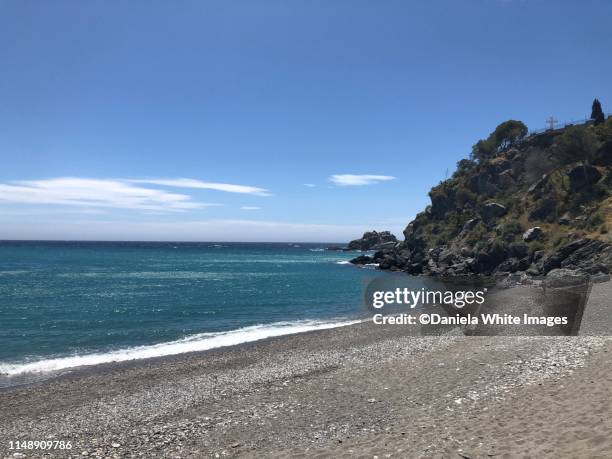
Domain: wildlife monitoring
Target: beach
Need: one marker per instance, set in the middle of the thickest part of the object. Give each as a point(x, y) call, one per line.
point(355, 391)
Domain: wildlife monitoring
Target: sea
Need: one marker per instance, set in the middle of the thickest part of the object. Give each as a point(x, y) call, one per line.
point(70, 304)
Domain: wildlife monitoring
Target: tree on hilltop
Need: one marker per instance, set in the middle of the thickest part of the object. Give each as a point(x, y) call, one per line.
point(597, 113)
point(505, 136)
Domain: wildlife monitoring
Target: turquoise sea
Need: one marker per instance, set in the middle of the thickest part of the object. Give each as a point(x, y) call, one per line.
point(66, 304)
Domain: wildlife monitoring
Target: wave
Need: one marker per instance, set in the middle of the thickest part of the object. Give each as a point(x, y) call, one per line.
point(343, 262)
point(199, 342)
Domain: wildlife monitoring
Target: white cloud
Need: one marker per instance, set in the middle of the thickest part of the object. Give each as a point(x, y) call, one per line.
point(310, 185)
point(357, 180)
point(83, 192)
point(250, 208)
point(193, 183)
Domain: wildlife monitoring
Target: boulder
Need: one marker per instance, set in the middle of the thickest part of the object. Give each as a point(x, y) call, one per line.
point(582, 176)
point(543, 209)
point(493, 210)
point(533, 234)
point(559, 278)
point(362, 260)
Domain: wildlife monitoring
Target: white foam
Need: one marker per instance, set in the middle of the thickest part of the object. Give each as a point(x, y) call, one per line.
point(199, 342)
point(344, 262)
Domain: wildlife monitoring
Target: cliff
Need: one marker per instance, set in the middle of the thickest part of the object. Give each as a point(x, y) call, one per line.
point(526, 204)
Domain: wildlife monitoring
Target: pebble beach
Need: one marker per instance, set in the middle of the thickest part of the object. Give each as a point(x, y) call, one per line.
point(355, 391)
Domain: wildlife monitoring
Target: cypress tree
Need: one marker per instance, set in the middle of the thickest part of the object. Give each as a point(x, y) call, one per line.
point(597, 113)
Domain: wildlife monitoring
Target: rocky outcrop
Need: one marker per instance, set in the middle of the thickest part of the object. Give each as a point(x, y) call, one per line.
point(583, 176)
point(493, 210)
point(524, 211)
point(559, 278)
point(373, 240)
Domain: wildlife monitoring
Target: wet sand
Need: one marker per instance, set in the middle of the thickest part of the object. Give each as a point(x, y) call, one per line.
point(357, 391)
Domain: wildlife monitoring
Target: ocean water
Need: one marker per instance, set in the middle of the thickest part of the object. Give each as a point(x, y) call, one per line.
point(66, 304)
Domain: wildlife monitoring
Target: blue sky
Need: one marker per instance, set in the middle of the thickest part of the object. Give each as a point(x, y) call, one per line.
point(256, 120)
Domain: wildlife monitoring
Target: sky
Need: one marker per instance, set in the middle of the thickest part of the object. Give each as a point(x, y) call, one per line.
point(265, 120)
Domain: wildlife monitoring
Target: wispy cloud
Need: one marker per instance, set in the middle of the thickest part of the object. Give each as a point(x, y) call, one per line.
point(357, 180)
point(199, 184)
point(310, 185)
point(88, 193)
point(250, 208)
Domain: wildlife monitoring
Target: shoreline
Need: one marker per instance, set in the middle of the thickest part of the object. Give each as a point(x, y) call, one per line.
point(594, 323)
point(100, 369)
point(200, 342)
point(360, 390)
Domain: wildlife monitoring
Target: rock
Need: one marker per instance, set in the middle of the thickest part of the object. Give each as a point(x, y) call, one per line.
point(362, 260)
point(372, 240)
point(591, 257)
point(511, 265)
point(533, 234)
point(524, 264)
point(493, 210)
point(565, 219)
point(533, 270)
point(488, 259)
point(384, 245)
point(582, 176)
point(469, 226)
point(518, 250)
point(543, 209)
point(599, 278)
point(553, 260)
point(559, 278)
point(605, 257)
point(505, 180)
point(410, 229)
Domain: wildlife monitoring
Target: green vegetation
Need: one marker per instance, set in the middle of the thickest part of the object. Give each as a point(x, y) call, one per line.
point(577, 143)
point(560, 181)
point(505, 136)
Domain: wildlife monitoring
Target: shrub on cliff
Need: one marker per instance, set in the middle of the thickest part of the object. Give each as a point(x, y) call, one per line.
point(464, 167)
point(577, 143)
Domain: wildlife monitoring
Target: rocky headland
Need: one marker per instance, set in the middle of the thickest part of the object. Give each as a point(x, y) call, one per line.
point(522, 206)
